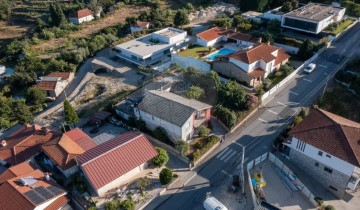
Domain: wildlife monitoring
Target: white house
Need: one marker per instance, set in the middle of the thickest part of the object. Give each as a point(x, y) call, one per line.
point(252, 65)
point(139, 26)
point(326, 146)
point(115, 162)
point(178, 116)
point(212, 36)
point(84, 15)
point(152, 49)
point(55, 82)
point(312, 18)
point(252, 15)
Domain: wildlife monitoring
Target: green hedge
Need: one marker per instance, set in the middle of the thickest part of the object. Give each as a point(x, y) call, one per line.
point(210, 142)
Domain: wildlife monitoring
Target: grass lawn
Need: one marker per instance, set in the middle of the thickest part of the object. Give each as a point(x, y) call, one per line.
point(342, 26)
point(195, 52)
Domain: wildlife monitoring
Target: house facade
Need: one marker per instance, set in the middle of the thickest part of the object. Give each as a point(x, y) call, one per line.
point(83, 15)
point(252, 65)
point(178, 116)
point(326, 147)
point(152, 49)
point(115, 162)
point(139, 26)
point(212, 36)
point(55, 83)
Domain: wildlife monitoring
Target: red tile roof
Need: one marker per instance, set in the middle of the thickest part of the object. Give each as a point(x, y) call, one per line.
point(141, 24)
point(258, 52)
point(243, 37)
point(81, 13)
point(24, 143)
point(281, 57)
point(14, 171)
point(112, 159)
point(330, 133)
point(13, 192)
point(63, 151)
point(213, 33)
point(63, 75)
point(47, 85)
point(256, 73)
point(58, 203)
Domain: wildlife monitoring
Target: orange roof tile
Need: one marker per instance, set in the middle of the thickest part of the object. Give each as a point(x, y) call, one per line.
point(24, 143)
point(58, 203)
point(63, 75)
point(256, 73)
point(141, 24)
point(281, 57)
point(81, 13)
point(213, 33)
point(47, 85)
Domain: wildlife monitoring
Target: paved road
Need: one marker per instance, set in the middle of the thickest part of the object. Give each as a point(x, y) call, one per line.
point(260, 131)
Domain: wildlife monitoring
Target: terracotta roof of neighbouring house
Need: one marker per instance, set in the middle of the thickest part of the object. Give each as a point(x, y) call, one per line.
point(63, 75)
point(141, 24)
point(114, 158)
point(62, 151)
point(14, 171)
point(58, 203)
point(281, 56)
point(15, 195)
point(256, 73)
point(81, 13)
point(243, 37)
point(24, 143)
point(170, 107)
point(47, 85)
point(330, 133)
point(213, 33)
point(258, 52)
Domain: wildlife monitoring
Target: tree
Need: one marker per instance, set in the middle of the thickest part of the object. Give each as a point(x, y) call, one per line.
point(204, 131)
point(127, 205)
point(162, 158)
point(195, 92)
point(23, 113)
point(56, 14)
point(35, 96)
point(287, 7)
point(5, 9)
point(182, 147)
point(165, 176)
point(70, 114)
point(181, 18)
point(189, 7)
point(286, 69)
point(232, 95)
point(306, 50)
point(111, 205)
point(225, 115)
point(266, 37)
point(222, 21)
point(142, 183)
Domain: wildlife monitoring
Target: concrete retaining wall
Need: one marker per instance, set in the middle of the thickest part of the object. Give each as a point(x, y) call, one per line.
point(287, 48)
point(190, 62)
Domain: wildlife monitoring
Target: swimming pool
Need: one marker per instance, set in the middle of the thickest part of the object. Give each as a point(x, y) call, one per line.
point(223, 51)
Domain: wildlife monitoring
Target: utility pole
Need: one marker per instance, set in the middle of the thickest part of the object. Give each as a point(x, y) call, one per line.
point(327, 80)
point(243, 171)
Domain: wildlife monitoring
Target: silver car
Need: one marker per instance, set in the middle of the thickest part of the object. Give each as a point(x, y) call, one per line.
point(310, 68)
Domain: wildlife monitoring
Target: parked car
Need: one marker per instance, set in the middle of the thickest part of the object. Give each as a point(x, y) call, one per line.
point(211, 203)
point(310, 68)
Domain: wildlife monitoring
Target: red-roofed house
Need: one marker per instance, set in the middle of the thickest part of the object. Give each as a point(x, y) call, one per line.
point(24, 143)
point(116, 161)
point(252, 65)
point(83, 15)
point(55, 83)
point(326, 146)
point(62, 151)
point(31, 189)
point(139, 26)
point(212, 36)
point(14, 171)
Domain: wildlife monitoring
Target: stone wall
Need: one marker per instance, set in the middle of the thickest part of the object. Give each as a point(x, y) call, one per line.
point(335, 179)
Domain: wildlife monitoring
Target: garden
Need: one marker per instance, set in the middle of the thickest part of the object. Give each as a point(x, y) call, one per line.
point(337, 27)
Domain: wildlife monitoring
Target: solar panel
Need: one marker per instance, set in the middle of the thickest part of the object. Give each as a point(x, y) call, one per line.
point(34, 197)
point(45, 193)
point(55, 190)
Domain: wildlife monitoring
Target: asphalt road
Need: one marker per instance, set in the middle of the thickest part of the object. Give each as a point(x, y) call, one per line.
point(260, 131)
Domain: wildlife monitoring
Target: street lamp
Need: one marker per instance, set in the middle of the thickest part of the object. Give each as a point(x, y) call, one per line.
point(327, 80)
point(242, 170)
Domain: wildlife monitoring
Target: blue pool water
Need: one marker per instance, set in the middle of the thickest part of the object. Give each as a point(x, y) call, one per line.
point(223, 51)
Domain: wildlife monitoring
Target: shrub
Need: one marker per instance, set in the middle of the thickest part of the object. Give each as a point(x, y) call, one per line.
point(286, 69)
point(211, 141)
point(204, 131)
point(127, 205)
point(227, 116)
point(330, 207)
point(162, 158)
point(319, 201)
point(142, 183)
point(182, 147)
point(297, 120)
point(165, 176)
point(194, 92)
point(111, 205)
point(304, 112)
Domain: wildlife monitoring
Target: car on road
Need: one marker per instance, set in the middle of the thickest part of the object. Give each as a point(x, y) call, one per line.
point(211, 203)
point(310, 68)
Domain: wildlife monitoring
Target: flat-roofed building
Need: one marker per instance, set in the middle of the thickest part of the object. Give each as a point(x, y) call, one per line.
point(312, 18)
point(151, 49)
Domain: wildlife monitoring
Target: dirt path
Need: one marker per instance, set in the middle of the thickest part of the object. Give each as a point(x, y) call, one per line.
point(92, 27)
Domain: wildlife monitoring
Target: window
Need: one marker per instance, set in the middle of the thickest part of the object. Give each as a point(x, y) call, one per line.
point(317, 164)
point(320, 153)
point(327, 155)
point(328, 170)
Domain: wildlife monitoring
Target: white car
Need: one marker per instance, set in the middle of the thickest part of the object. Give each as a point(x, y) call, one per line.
point(310, 68)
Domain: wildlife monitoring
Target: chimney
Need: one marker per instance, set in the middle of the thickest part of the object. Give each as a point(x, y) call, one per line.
point(259, 40)
point(3, 143)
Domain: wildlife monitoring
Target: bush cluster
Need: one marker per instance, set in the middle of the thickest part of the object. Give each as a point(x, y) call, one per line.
point(210, 142)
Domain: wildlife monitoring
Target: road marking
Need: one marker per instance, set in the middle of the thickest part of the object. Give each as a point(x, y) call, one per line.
point(307, 80)
point(230, 156)
point(226, 173)
point(323, 66)
point(269, 110)
point(282, 104)
point(222, 152)
point(262, 120)
point(226, 154)
point(238, 143)
point(293, 93)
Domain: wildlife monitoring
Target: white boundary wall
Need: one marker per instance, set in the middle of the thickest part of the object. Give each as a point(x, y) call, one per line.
point(190, 61)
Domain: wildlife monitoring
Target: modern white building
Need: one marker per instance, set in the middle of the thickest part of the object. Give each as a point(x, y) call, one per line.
point(252, 15)
point(178, 116)
point(312, 18)
point(326, 146)
point(83, 15)
point(154, 48)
